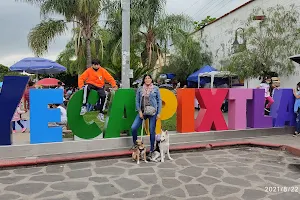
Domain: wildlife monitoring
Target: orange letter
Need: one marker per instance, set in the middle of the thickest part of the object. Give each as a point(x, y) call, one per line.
point(169, 106)
point(185, 110)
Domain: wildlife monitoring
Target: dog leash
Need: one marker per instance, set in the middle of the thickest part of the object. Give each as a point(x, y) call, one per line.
point(142, 130)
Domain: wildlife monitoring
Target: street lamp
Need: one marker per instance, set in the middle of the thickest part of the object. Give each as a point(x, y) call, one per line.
point(236, 46)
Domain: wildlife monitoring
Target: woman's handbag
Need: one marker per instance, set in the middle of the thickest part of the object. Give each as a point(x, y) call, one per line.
point(149, 110)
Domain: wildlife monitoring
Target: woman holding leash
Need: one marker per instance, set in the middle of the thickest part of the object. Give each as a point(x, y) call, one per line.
point(148, 104)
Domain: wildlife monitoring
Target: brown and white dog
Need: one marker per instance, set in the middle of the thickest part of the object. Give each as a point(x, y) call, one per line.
point(139, 151)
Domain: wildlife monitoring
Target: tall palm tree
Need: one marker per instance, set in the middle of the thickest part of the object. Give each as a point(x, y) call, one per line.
point(84, 15)
point(156, 27)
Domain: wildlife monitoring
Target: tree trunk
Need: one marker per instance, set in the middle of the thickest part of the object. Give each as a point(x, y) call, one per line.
point(149, 44)
point(88, 52)
point(88, 36)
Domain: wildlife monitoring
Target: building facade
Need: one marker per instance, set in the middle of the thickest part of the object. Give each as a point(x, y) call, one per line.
point(220, 35)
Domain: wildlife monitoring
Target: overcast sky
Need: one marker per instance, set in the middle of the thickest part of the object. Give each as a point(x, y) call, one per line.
point(17, 18)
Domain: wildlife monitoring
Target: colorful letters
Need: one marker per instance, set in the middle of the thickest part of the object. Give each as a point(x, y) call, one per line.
point(246, 109)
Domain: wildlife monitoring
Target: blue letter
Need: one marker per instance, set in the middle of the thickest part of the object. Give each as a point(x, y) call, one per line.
point(10, 97)
point(41, 115)
point(282, 110)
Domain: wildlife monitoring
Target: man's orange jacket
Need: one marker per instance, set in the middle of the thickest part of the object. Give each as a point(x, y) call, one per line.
point(96, 78)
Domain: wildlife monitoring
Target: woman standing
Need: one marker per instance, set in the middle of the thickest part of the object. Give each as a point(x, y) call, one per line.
point(148, 104)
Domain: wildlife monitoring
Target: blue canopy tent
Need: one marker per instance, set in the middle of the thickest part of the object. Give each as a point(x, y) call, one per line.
point(193, 78)
point(170, 75)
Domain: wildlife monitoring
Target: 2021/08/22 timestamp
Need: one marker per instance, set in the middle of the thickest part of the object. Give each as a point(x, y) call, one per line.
point(281, 189)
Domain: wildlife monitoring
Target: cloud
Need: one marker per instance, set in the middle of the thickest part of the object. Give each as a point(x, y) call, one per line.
point(17, 18)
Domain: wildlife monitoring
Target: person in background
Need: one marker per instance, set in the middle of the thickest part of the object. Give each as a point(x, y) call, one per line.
point(26, 95)
point(63, 114)
point(297, 109)
point(60, 85)
point(265, 84)
point(17, 118)
point(94, 79)
point(148, 104)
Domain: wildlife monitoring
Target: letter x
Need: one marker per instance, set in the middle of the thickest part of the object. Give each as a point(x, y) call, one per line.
point(210, 115)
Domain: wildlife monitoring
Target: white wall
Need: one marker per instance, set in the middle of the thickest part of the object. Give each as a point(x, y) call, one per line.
point(219, 36)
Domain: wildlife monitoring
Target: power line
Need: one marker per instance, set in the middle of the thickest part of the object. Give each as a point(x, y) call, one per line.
point(202, 8)
point(205, 7)
point(193, 4)
point(222, 6)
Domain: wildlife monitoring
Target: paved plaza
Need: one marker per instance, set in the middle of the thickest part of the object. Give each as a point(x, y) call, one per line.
point(227, 174)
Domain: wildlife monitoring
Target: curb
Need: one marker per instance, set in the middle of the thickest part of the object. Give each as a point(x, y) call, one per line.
point(58, 159)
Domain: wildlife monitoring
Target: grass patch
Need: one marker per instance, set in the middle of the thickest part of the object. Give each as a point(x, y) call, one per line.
point(169, 124)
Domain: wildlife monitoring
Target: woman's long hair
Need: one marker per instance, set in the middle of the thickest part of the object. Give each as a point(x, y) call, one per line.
point(144, 77)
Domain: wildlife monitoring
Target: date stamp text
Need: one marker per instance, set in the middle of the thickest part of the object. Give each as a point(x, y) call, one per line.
point(281, 189)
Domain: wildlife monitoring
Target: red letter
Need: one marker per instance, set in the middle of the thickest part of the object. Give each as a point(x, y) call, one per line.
point(210, 115)
point(185, 110)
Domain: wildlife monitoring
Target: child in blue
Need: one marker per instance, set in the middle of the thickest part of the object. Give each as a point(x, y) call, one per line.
point(297, 109)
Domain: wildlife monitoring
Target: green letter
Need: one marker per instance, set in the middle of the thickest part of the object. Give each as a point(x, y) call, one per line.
point(76, 122)
point(124, 99)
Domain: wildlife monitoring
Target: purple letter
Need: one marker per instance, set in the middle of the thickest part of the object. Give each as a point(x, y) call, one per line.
point(255, 111)
point(237, 102)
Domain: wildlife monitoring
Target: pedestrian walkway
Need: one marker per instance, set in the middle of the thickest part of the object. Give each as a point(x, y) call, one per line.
point(226, 174)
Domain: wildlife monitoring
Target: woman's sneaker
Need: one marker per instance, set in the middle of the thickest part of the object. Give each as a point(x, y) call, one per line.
point(296, 134)
point(101, 117)
point(23, 130)
point(83, 110)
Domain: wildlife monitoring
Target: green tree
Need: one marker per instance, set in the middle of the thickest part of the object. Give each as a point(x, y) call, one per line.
point(84, 14)
point(204, 22)
point(188, 56)
point(4, 71)
point(270, 43)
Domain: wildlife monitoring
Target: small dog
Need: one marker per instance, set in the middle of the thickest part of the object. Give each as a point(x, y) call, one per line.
point(139, 151)
point(162, 148)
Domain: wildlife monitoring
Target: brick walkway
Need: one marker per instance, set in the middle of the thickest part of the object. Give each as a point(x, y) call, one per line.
point(227, 174)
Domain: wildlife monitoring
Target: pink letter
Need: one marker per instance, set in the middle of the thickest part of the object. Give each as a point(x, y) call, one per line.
point(237, 104)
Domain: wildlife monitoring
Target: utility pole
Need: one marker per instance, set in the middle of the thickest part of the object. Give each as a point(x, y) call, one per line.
point(126, 72)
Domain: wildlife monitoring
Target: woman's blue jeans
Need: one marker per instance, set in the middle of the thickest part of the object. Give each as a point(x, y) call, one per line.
point(137, 124)
point(298, 122)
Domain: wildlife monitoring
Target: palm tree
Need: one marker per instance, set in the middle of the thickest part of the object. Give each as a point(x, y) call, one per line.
point(156, 27)
point(84, 15)
point(188, 56)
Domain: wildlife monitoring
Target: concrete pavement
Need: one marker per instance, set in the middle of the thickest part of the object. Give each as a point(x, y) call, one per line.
point(227, 174)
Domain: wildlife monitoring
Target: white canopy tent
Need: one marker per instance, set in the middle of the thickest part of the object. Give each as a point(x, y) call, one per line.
point(213, 74)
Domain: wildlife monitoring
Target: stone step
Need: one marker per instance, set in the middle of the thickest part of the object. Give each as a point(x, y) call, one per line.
point(87, 146)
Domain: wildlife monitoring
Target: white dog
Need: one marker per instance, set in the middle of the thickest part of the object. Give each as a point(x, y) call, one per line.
point(162, 147)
